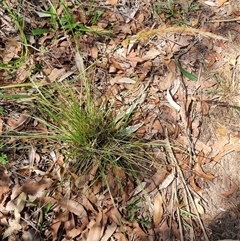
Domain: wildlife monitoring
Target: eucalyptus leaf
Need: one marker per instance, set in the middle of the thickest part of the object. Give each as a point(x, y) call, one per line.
point(186, 73)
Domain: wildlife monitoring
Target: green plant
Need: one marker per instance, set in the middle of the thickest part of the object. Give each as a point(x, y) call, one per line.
point(18, 20)
point(3, 159)
point(40, 213)
point(175, 11)
point(93, 136)
point(96, 16)
point(67, 22)
point(133, 212)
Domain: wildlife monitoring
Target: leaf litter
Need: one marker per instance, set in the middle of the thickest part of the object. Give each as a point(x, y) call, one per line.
point(139, 61)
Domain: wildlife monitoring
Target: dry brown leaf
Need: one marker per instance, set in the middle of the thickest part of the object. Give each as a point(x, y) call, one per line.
point(195, 21)
point(19, 123)
point(175, 230)
point(221, 2)
point(116, 64)
point(156, 180)
point(44, 201)
point(109, 232)
point(163, 230)
point(24, 71)
point(55, 227)
point(74, 232)
point(145, 69)
point(199, 207)
point(96, 230)
point(232, 190)
point(31, 234)
point(114, 215)
point(20, 204)
point(201, 146)
point(94, 52)
point(167, 181)
point(205, 108)
point(13, 226)
point(157, 126)
point(198, 170)
point(31, 157)
point(119, 236)
point(138, 230)
point(79, 62)
point(69, 224)
point(36, 188)
point(151, 54)
point(73, 206)
point(125, 80)
point(56, 74)
point(211, 60)
point(133, 59)
point(158, 208)
point(11, 50)
point(193, 184)
point(219, 145)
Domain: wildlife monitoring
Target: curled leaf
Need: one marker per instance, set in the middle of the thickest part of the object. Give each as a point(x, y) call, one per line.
point(198, 170)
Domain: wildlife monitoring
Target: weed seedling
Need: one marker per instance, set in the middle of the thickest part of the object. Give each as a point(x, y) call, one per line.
point(3, 159)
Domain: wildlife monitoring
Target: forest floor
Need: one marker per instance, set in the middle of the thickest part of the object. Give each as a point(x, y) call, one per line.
point(178, 64)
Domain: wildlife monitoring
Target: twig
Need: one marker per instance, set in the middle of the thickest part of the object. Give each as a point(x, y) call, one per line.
point(178, 212)
point(224, 20)
point(179, 171)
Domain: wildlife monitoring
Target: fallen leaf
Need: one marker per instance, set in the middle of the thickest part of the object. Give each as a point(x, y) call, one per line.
point(157, 126)
point(74, 232)
point(205, 108)
point(199, 207)
point(11, 50)
point(109, 232)
point(193, 184)
point(34, 188)
point(221, 2)
point(55, 228)
point(56, 74)
point(232, 190)
point(13, 226)
point(151, 54)
point(167, 181)
point(94, 52)
point(156, 180)
point(163, 231)
point(145, 69)
point(125, 80)
point(95, 232)
point(172, 102)
point(19, 123)
point(73, 206)
point(112, 2)
point(79, 62)
point(198, 170)
point(114, 215)
point(137, 230)
point(210, 3)
point(157, 208)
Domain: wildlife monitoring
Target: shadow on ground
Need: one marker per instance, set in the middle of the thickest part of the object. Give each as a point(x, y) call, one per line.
point(226, 225)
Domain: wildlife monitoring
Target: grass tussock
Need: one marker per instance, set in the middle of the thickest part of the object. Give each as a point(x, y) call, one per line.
point(92, 137)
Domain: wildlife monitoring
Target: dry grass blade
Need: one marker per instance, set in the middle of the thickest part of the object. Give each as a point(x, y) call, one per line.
point(186, 189)
point(174, 29)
